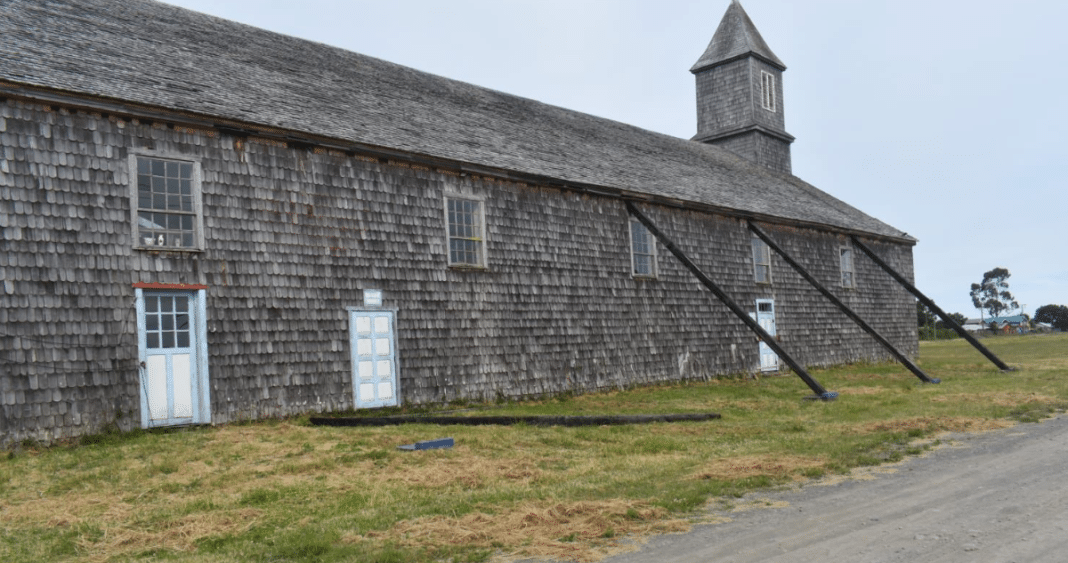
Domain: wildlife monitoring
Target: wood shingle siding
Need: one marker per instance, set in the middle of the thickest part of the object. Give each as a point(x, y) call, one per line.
point(324, 174)
point(293, 237)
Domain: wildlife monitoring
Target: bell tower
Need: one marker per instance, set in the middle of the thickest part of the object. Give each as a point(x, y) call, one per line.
point(739, 94)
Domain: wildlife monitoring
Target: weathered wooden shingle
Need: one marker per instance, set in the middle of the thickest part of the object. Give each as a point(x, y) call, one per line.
point(155, 54)
point(293, 237)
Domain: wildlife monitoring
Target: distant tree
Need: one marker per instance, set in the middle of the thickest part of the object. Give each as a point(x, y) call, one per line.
point(992, 294)
point(927, 317)
point(924, 316)
point(1056, 315)
point(959, 318)
point(931, 326)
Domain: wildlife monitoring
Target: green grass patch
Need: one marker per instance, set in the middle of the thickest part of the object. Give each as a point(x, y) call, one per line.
point(283, 490)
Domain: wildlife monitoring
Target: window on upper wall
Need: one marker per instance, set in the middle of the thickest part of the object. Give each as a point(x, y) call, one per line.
point(465, 221)
point(848, 274)
point(166, 203)
point(767, 90)
point(642, 251)
point(761, 261)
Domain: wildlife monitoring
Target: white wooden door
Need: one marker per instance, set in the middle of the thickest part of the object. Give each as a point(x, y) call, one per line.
point(173, 376)
point(769, 360)
point(372, 339)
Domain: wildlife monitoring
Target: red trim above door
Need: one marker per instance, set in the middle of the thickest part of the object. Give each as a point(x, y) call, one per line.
point(146, 285)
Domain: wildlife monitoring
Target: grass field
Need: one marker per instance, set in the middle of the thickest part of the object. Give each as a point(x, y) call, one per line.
point(288, 491)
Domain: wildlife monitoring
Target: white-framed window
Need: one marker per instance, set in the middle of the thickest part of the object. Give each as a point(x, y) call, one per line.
point(849, 278)
point(767, 90)
point(166, 205)
point(465, 222)
point(761, 261)
point(642, 251)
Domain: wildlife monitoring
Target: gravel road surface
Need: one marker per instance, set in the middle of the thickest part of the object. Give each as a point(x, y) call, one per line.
point(995, 497)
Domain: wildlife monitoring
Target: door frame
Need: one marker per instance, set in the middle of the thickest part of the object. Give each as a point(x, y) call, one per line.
point(762, 348)
point(199, 379)
point(354, 357)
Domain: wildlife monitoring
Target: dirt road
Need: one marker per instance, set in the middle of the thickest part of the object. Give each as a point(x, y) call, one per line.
point(996, 497)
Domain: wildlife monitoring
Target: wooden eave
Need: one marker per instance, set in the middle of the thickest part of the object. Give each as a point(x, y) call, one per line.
point(242, 129)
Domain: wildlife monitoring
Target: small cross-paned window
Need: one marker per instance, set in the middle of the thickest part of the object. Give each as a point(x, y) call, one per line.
point(642, 251)
point(767, 90)
point(466, 232)
point(761, 261)
point(166, 206)
point(848, 274)
point(166, 321)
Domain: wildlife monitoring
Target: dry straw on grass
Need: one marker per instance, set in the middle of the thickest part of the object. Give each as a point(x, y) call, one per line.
point(122, 530)
point(179, 535)
point(466, 470)
point(576, 531)
point(861, 390)
point(742, 467)
point(1001, 398)
point(756, 504)
point(941, 424)
point(559, 493)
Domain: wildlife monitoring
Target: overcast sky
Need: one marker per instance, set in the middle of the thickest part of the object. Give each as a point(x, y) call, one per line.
point(945, 119)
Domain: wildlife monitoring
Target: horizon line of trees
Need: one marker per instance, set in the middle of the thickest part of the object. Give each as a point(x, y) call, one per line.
point(1054, 315)
point(992, 295)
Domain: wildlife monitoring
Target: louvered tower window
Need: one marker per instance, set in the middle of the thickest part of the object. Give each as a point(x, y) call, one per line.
point(767, 90)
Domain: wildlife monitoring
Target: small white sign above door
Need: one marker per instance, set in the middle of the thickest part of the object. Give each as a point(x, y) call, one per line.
point(372, 298)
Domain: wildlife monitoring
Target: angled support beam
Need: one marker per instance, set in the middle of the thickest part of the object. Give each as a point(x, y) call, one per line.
point(915, 369)
point(820, 392)
point(931, 305)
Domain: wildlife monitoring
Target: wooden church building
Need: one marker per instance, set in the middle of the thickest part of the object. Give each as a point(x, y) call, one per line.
point(205, 222)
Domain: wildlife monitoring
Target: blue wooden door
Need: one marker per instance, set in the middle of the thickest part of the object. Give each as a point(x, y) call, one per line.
point(372, 339)
point(173, 378)
point(769, 360)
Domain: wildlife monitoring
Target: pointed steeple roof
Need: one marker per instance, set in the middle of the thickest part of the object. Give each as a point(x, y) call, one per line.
point(736, 37)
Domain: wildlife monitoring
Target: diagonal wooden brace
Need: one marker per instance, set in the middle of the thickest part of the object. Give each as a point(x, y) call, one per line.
point(915, 369)
point(931, 305)
point(768, 339)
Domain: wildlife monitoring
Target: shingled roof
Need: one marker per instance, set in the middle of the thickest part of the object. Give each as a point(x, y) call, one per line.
point(148, 53)
point(736, 37)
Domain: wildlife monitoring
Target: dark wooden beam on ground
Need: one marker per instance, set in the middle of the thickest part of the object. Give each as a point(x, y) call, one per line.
point(595, 420)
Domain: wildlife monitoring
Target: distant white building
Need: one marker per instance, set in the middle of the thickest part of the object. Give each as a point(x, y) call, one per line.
point(1005, 324)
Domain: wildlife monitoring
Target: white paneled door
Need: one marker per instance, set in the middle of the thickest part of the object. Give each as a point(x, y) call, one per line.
point(765, 316)
point(172, 349)
point(372, 337)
